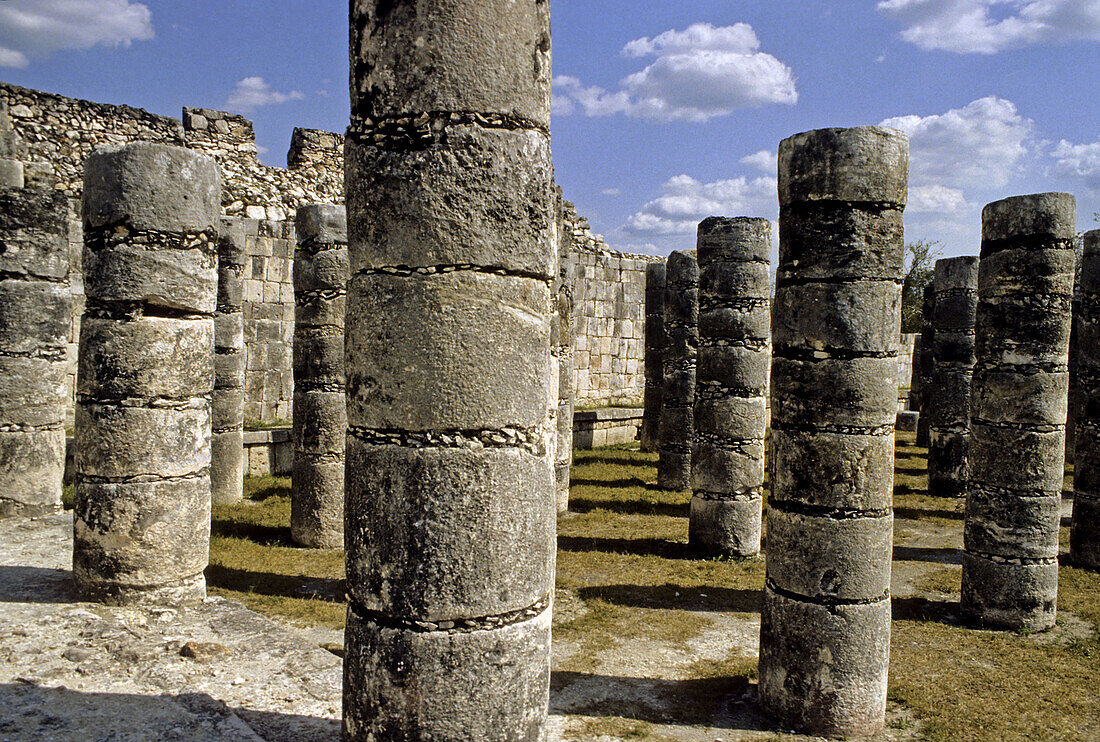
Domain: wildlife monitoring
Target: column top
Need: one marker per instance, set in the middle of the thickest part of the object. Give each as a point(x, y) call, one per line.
point(1036, 216)
point(864, 164)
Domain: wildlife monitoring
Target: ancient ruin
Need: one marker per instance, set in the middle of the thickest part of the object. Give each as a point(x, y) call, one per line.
point(35, 312)
point(730, 417)
point(450, 495)
point(825, 621)
point(320, 419)
point(654, 356)
point(227, 401)
point(1018, 412)
point(1084, 535)
point(955, 283)
point(924, 364)
point(562, 358)
point(675, 430)
point(142, 438)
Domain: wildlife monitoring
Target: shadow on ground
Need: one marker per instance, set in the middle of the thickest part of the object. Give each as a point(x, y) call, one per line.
point(677, 597)
point(283, 586)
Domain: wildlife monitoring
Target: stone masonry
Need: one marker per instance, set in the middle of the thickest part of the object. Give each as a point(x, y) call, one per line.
point(924, 364)
point(654, 355)
point(675, 431)
point(1084, 537)
point(1018, 412)
point(450, 490)
point(563, 358)
point(320, 419)
point(730, 418)
point(227, 402)
point(948, 392)
point(825, 621)
point(142, 498)
point(34, 326)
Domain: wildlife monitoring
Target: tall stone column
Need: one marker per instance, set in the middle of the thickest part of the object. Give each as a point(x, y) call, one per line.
point(1084, 535)
point(1018, 412)
point(676, 428)
point(1075, 331)
point(727, 457)
point(320, 417)
point(561, 349)
point(450, 511)
point(146, 374)
point(654, 354)
point(35, 312)
point(926, 362)
point(227, 403)
point(955, 282)
point(915, 385)
point(825, 622)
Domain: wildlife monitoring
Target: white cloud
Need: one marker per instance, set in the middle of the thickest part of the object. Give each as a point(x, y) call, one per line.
point(253, 92)
point(981, 145)
point(1078, 160)
point(686, 202)
point(699, 73)
point(31, 28)
point(936, 199)
point(764, 161)
point(611, 192)
point(990, 26)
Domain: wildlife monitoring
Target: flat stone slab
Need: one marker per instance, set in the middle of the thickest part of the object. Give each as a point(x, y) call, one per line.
point(73, 671)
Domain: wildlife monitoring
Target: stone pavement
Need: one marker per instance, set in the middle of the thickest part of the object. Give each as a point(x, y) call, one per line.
point(82, 672)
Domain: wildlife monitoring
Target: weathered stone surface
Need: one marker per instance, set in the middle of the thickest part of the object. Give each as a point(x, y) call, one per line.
point(31, 466)
point(490, 56)
point(320, 423)
point(1017, 453)
point(675, 429)
point(447, 352)
point(491, 685)
point(822, 668)
point(178, 279)
point(742, 368)
point(227, 466)
point(11, 174)
point(443, 534)
point(35, 226)
point(825, 624)
point(35, 316)
point(146, 357)
point(925, 364)
point(482, 199)
point(317, 507)
point(725, 527)
point(151, 186)
point(1084, 549)
point(33, 392)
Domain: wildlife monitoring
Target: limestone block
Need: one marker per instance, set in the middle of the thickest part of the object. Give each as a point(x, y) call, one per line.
point(1017, 597)
point(867, 164)
point(31, 466)
point(854, 316)
point(183, 279)
point(860, 393)
point(33, 391)
point(227, 465)
point(725, 527)
point(125, 442)
point(320, 422)
point(821, 241)
point(317, 508)
point(832, 470)
point(34, 316)
point(35, 225)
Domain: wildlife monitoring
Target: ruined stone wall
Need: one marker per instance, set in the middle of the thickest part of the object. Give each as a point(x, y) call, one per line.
point(608, 318)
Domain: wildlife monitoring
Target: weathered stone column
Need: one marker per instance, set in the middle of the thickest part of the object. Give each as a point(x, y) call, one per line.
point(35, 312)
point(1075, 331)
point(1084, 535)
point(320, 417)
point(676, 428)
point(450, 511)
point(561, 349)
point(825, 623)
point(727, 456)
point(654, 354)
point(1018, 412)
point(926, 363)
point(146, 374)
point(227, 403)
point(915, 385)
point(955, 282)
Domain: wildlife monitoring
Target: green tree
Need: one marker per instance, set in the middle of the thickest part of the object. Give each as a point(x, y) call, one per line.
point(919, 264)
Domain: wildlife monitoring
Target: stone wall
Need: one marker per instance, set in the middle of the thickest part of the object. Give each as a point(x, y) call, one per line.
point(608, 318)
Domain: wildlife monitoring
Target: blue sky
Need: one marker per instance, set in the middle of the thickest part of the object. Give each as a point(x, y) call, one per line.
point(665, 112)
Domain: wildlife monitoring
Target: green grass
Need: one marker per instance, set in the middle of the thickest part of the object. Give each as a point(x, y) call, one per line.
point(625, 575)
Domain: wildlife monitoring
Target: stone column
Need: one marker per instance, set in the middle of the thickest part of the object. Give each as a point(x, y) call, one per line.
point(561, 348)
point(146, 374)
point(1018, 412)
point(727, 455)
point(825, 622)
point(654, 354)
point(1084, 535)
point(320, 417)
point(927, 363)
point(227, 403)
point(676, 429)
point(450, 511)
point(955, 283)
point(35, 312)
point(915, 387)
point(1075, 331)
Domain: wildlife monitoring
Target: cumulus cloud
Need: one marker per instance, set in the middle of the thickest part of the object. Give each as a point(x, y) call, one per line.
point(686, 201)
point(936, 199)
point(764, 161)
point(30, 28)
point(990, 26)
point(253, 92)
point(983, 144)
point(696, 74)
point(1078, 160)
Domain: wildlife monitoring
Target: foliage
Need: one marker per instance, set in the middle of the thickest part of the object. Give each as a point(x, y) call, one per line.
point(920, 262)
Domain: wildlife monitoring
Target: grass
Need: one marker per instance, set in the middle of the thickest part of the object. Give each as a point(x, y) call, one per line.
point(625, 578)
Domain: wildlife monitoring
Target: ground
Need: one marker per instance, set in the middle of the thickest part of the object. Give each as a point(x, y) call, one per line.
point(648, 644)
